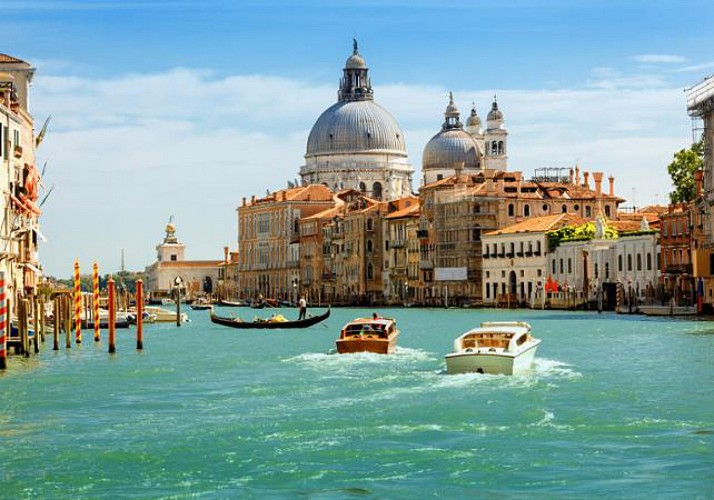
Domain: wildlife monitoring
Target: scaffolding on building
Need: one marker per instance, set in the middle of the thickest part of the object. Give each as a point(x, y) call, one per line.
point(553, 174)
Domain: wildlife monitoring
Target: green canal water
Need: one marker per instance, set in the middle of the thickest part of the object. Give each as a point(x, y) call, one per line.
point(616, 407)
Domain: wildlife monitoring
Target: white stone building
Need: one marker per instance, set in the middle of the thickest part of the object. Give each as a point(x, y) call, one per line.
point(356, 144)
point(198, 277)
point(515, 258)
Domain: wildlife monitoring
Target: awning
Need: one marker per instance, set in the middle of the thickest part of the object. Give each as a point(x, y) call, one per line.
point(30, 267)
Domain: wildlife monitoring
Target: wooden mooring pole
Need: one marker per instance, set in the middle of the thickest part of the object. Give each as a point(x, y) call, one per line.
point(25, 322)
point(139, 314)
point(77, 304)
point(95, 302)
point(67, 316)
point(55, 323)
point(33, 305)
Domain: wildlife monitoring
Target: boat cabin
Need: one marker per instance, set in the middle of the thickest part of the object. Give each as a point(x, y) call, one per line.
point(371, 328)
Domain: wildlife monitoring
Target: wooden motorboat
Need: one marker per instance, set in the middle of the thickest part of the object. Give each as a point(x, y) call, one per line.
point(200, 305)
point(499, 347)
point(377, 335)
point(271, 323)
point(160, 315)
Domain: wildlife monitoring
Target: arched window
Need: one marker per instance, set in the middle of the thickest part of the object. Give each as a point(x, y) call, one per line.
point(370, 271)
point(629, 262)
point(570, 265)
point(500, 147)
point(369, 246)
point(564, 209)
point(377, 191)
point(588, 211)
point(607, 210)
point(561, 266)
point(619, 263)
point(513, 249)
point(607, 270)
point(511, 210)
point(526, 210)
point(494, 147)
point(649, 261)
point(596, 270)
point(639, 262)
point(553, 266)
point(477, 208)
point(362, 187)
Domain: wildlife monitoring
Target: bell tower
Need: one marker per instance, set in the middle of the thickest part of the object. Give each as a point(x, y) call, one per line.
point(495, 140)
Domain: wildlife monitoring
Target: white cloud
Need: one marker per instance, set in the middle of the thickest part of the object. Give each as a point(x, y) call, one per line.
point(659, 58)
point(695, 67)
point(128, 152)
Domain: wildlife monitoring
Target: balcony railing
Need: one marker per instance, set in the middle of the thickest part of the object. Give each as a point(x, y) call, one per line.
point(678, 269)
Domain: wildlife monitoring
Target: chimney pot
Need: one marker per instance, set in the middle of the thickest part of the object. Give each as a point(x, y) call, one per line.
point(586, 179)
point(612, 185)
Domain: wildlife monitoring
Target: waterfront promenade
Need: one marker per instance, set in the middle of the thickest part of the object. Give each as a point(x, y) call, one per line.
point(616, 406)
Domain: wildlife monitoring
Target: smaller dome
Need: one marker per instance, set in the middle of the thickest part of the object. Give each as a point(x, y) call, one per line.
point(473, 120)
point(355, 61)
point(451, 149)
point(495, 113)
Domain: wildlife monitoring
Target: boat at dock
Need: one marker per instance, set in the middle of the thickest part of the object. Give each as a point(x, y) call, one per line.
point(277, 322)
point(160, 315)
point(232, 303)
point(200, 305)
point(377, 335)
point(667, 310)
point(499, 347)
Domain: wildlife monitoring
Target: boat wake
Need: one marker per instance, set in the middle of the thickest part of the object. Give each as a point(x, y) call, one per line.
point(331, 360)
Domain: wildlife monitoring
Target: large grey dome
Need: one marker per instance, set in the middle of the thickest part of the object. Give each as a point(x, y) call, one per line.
point(355, 127)
point(450, 149)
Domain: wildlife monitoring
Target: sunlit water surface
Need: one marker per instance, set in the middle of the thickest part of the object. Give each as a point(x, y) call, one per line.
point(617, 407)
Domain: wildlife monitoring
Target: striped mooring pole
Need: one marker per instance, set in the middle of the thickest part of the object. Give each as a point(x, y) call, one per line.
point(3, 324)
point(77, 304)
point(95, 301)
point(112, 316)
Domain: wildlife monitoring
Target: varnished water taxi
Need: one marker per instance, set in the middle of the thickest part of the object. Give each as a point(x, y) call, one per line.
point(499, 347)
point(377, 335)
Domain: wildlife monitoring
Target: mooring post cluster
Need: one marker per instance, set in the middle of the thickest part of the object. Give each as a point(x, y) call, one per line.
point(71, 312)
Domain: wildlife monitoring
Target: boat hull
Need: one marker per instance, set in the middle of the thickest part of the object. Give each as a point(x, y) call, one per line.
point(483, 360)
point(267, 325)
point(366, 344)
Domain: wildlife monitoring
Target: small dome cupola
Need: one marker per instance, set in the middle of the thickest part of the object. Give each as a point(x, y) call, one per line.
point(473, 122)
point(451, 115)
point(355, 84)
point(495, 116)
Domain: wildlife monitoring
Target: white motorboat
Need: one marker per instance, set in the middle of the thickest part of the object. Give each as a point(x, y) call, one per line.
point(499, 347)
point(160, 315)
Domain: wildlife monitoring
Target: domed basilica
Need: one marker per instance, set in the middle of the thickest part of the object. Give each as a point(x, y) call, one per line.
point(465, 150)
point(356, 143)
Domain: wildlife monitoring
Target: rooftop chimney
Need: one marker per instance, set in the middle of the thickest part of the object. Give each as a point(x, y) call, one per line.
point(244, 201)
point(597, 177)
point(612, 185)
point(698, 179)
point(572, 175)
point(586, 179)
point(252, 199)
point(577, 175)
point(225, 254)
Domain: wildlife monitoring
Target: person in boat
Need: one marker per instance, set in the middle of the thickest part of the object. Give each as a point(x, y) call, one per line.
point(302, 306)
point(375, 316)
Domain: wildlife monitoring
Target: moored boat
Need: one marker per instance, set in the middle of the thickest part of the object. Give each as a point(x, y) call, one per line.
point(499, 347)
point(160, 315)
point(377, 335)
point(200, 304)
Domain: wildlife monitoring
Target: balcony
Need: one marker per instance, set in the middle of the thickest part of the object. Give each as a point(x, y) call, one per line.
point(678, 269)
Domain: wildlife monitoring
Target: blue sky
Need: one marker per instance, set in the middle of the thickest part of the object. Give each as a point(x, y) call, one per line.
point(182, 108)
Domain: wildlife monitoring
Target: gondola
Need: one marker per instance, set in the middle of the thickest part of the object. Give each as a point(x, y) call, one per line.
point(270, 325)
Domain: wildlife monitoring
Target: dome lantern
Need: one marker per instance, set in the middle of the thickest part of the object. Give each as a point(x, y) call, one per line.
point(355, 84)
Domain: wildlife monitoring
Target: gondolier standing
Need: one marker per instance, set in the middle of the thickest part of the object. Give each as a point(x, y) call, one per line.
point(302, 306)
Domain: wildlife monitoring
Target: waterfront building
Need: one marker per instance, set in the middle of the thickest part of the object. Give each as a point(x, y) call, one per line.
point(357, 144)
point(268, 239)
point(228, 286)
point(197, 277)
point(20, 227)
point(620, 257)
point(700, 106)
point(401, 250)
point(516, 257)
point(455, 211)
point(676, 259)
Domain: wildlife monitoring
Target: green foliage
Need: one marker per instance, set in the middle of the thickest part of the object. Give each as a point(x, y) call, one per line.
point(682, 168)
point(583, 232)
point(122, 279)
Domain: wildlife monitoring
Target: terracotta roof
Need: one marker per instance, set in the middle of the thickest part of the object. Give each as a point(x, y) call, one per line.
point(328, 214)
point(311, 192)
point(410, 211)
point(625, 225)
point(540, 224)
point(4, 58)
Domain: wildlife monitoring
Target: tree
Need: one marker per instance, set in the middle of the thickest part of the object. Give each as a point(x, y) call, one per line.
point(682, 168)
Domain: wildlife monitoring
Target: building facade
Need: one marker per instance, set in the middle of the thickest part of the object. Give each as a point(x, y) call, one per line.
point(196, 278)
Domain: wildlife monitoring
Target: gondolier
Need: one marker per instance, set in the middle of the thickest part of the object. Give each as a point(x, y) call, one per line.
point(302, 306)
